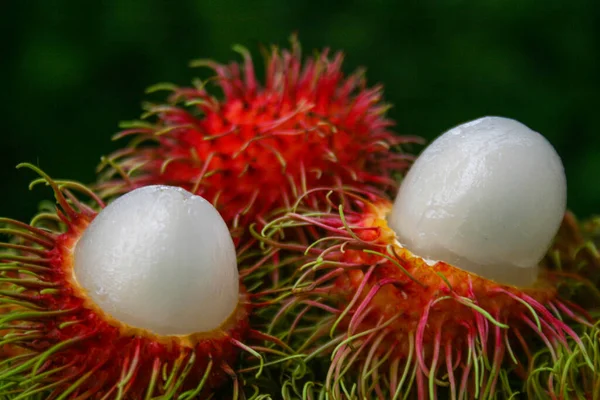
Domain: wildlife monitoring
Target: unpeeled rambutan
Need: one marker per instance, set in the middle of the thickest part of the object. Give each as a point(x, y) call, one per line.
point(370, 290)
point(140, 300)
point(260, 145)
point(564, 373)
point(575, 263)
point(574, 257)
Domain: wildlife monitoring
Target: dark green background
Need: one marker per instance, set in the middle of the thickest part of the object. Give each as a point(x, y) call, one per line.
point(73, 69)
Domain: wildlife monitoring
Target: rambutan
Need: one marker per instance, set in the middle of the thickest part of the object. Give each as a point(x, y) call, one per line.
point(443, 292)
point(260, 145)
point(565, 374)
point(574, 257)
point(140, 300)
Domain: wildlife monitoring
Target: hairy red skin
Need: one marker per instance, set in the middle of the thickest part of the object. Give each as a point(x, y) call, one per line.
point(257, 148)
point(66, 344)
point(408, 301)
point(390, 312)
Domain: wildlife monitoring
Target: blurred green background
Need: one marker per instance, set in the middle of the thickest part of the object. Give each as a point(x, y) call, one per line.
point(72, 70)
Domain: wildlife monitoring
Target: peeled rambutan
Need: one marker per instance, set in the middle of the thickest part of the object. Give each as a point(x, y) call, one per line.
point(441, 293)
point(260, 145)
point(140, 300)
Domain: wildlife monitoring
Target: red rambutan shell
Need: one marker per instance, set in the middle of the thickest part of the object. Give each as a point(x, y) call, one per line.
point(261, 145)
point(57, 342)
point(395, 324)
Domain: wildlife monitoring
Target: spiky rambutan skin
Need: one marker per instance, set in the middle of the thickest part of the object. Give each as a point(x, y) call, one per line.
point(575, 259)
point(565, 375)
point(58, 344)
point(395, 325)
point(257, 147)
point(575, 262)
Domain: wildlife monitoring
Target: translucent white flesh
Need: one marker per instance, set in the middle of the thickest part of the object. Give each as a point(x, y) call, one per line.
point(160, 259)
point(487, 196)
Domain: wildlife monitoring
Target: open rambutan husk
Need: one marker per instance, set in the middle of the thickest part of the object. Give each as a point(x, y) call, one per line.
point(56, 344)
point(384, 323)
point(308, 125)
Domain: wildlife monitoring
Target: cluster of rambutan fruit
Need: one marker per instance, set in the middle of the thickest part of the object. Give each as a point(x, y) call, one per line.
point(256, 243)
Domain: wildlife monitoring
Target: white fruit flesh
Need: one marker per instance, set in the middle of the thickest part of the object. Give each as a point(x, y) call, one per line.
point(160, 259)
point(487, 196)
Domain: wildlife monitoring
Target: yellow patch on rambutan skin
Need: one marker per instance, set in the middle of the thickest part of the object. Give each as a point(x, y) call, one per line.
point(395, 325)
point(62, 346)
